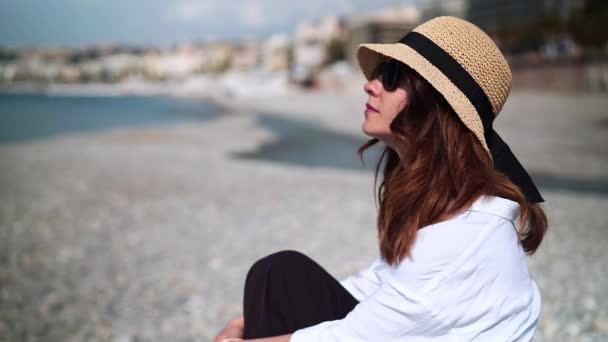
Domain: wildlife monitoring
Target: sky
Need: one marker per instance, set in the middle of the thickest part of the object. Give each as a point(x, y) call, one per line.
point(55, 23)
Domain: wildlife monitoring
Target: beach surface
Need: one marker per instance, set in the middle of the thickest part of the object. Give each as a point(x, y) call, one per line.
point(146, 234)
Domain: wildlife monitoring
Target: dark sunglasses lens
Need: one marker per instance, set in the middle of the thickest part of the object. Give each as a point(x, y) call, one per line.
point(378, 71)
point(391, 74)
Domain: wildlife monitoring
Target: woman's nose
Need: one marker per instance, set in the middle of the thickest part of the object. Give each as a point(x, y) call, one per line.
point(372, 87)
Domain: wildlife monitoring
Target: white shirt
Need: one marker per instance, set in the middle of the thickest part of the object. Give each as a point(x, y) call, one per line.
point(466, 279)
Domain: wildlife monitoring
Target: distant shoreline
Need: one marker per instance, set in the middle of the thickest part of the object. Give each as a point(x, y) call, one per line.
point(31, 115)
point(86, 89)
point(238, 83)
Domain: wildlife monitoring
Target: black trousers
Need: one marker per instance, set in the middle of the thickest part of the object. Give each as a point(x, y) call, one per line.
point(286, 291)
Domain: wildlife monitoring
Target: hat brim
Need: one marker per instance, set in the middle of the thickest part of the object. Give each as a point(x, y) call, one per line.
point(370, 55)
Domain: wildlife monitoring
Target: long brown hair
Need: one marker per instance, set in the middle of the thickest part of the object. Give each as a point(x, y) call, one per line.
point(443, 171)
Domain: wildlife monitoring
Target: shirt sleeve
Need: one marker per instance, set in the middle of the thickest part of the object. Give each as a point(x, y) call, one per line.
point(414, 298)
point(365, 282)
point(388, 313)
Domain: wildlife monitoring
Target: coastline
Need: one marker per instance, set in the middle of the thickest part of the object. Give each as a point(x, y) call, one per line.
point(342, 112)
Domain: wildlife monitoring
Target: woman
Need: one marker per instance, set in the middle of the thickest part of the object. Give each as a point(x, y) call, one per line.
point(452, 263)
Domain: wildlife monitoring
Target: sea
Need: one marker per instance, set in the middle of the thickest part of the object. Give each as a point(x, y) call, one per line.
point(31, 116)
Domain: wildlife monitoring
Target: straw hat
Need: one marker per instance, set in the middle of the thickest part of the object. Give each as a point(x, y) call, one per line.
point(465, 66)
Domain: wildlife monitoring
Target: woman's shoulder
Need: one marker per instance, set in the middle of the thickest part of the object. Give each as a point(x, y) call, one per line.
point(487, 214)
point(484, 215)
point(496, 206)
point(482, 235)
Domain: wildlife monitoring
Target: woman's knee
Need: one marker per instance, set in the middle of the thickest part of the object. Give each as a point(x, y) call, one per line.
point(288, 257)
point(284, 260)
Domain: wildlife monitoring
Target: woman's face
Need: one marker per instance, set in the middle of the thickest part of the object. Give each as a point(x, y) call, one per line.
point(383, 104)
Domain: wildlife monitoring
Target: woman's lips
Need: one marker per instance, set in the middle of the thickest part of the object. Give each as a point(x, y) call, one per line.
point(369, 107)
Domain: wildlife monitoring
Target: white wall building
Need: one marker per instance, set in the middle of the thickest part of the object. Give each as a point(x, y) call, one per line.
point(174, 64)
point(311, 41)
point(275, 53)
point(435, 8)
point(388, 25)
point(246, 56)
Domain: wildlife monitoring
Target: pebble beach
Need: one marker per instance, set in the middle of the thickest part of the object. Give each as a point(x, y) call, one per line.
point(146, 234)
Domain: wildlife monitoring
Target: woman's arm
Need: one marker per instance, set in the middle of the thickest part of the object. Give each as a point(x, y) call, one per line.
point(387, 313)
point(365, 282)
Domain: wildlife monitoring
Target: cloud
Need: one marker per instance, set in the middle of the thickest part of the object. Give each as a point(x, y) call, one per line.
point(261, 16)
point(251, 13)
point(189, 10)
point(248, 13)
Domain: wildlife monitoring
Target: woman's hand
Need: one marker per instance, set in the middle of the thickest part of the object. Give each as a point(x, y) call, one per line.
point(233, 329)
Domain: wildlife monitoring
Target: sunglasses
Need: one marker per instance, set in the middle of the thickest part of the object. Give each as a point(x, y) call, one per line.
point(392, 71)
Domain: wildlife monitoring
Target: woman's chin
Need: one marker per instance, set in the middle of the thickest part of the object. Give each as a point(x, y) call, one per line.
point(366, 131)
point(379, 134)
point(369, 129)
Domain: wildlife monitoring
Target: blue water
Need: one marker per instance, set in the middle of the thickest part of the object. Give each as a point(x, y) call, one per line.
point(26, 117)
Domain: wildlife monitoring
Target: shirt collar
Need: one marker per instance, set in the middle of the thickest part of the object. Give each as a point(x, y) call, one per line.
point(497, 206)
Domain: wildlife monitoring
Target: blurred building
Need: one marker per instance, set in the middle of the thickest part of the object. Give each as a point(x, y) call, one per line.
point(172, 64)
point(275, 53)
point(68, 74)
point(492, 14)
point(247, 56)
point(218, 56)
point(563, 8)
point(386, 26)
point(436, 8)
point(116, 66)
point(310, 45)
point(8, 73)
